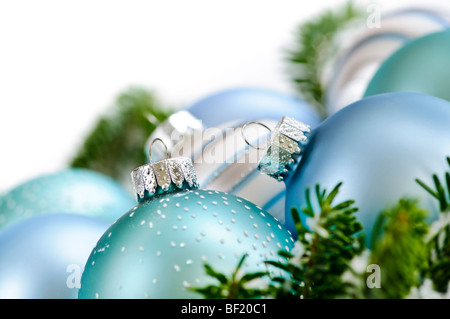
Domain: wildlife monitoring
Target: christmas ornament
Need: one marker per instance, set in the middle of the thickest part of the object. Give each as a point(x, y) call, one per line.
point(376, 147)
point(362, 50)
point(281, 156)
point(208, 132)
point(43, 256)
point(158, 248)
point(74, 190)
point(419, 66)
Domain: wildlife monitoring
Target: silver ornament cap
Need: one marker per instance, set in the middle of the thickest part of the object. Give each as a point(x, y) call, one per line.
point(286, 145)
point(163, 176)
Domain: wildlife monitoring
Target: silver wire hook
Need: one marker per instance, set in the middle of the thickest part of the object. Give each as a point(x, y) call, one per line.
point(245, 139)
point(151, 145)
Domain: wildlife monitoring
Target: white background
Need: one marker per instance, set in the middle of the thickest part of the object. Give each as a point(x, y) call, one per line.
point(62, 63)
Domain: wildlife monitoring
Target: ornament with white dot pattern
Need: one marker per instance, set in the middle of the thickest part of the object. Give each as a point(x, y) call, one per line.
point(161, 257)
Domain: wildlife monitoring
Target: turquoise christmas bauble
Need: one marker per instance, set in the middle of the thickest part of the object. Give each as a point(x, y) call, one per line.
point(158, 248)
point(377, 147)
point(421, 65)
point(75, 190)
point(42, 257)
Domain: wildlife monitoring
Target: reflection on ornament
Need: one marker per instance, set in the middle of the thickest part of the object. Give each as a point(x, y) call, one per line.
point(43, 256)
point(77, 191)
point(158, 248)
point(419, 66)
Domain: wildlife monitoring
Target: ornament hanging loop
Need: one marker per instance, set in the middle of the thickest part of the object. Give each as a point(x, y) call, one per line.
point(151, 145)
point(245, 138)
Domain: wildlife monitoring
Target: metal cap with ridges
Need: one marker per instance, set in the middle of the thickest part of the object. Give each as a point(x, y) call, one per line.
point(285, 147)
point(163, 176)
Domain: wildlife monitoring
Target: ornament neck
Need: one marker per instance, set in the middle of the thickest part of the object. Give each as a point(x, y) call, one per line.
point(164, 176)
point(288, 140)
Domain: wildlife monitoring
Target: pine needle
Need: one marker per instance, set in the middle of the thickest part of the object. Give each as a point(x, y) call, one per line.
point(116, 143)
point(313, 47)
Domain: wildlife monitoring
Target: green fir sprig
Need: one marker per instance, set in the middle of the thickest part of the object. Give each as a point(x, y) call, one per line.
point(234, 286)
point(439, 241)
point(324, 252)
point(398, 248)
point(314, 46)
point(329, 245)
point(440, 192)
point(116, 144)
point(439, 262)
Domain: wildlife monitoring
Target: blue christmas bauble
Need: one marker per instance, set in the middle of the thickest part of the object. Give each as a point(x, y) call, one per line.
point(74, 190)
point(248, 104)
point(368, 46)
point(377, 147)
point(419, 66)
point(43, 257)
point(158, 248)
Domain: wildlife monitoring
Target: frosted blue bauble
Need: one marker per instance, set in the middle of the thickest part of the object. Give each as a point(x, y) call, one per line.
point(74, 190)
point(377, 147)
point(422, 66)
point(248, 104)
point(368, 46)
point(43, 256)
point(158, 248)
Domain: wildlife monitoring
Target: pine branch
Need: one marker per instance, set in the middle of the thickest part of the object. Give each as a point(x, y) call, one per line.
point(439, 242)
point(232, 287)
point(399, 249)
point(314, 47)
point(116, 143)
point(439, 192)
point(328, 246)
point(439, 269)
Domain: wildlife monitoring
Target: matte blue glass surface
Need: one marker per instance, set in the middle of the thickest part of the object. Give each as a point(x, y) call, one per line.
point(377, 147)
point(44, 256)
point(421, 65)
point(77, 191)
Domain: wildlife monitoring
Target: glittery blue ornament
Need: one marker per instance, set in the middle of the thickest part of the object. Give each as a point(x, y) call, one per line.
point(43, 256)
point(74, 190)
point(369, 46)
point(377, 147)
point(203, 130)
point(422, 66)
point(158, 248)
